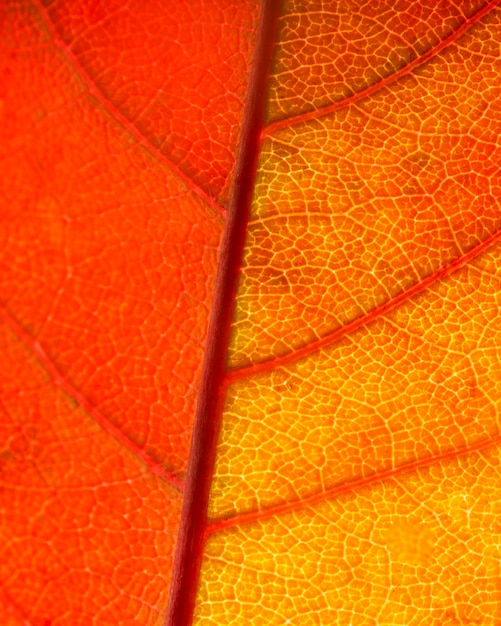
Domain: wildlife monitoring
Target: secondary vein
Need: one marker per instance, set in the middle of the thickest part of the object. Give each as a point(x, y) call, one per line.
point(60, 381)
point(338, 334)
point(116, 114)
point(388, 80)
point(350, 486)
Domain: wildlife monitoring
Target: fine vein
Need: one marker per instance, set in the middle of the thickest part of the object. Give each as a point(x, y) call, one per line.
point(58, 379)
point(115, 113)
point(418, 287)
point(388, 80)
point(350, 486)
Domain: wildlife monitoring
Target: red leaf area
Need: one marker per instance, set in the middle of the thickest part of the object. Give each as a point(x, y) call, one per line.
point(351, 412)
point(119, 126)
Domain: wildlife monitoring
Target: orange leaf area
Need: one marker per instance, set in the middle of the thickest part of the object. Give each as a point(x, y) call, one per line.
point(109, 246)
point(113, 279)
point(85, 529)
point(338, 51)
point(175, 73)
point(357, 473)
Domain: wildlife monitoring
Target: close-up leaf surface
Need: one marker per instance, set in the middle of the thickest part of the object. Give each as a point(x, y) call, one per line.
point(109, 249)
point(250, 303)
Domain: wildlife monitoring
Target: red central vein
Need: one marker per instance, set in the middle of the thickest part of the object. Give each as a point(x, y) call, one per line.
point(116, 114)
point(388, 80)
point(376, 313)
point(57, 377)
point(359, 483)
point(212, 391)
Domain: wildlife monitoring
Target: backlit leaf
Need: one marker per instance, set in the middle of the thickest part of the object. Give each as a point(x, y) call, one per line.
point(119, 125)
point(350, 409)
point(357, 473)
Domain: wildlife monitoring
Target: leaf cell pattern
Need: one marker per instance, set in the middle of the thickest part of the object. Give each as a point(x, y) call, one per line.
point(357, 467)
point(109, 246)
point(357, 472)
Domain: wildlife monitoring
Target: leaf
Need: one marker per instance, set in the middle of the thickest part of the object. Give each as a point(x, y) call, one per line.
point(356, 471)
point(119, 126)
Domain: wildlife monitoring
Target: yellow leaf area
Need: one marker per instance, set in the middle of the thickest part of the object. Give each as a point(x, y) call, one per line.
point(358, 474)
